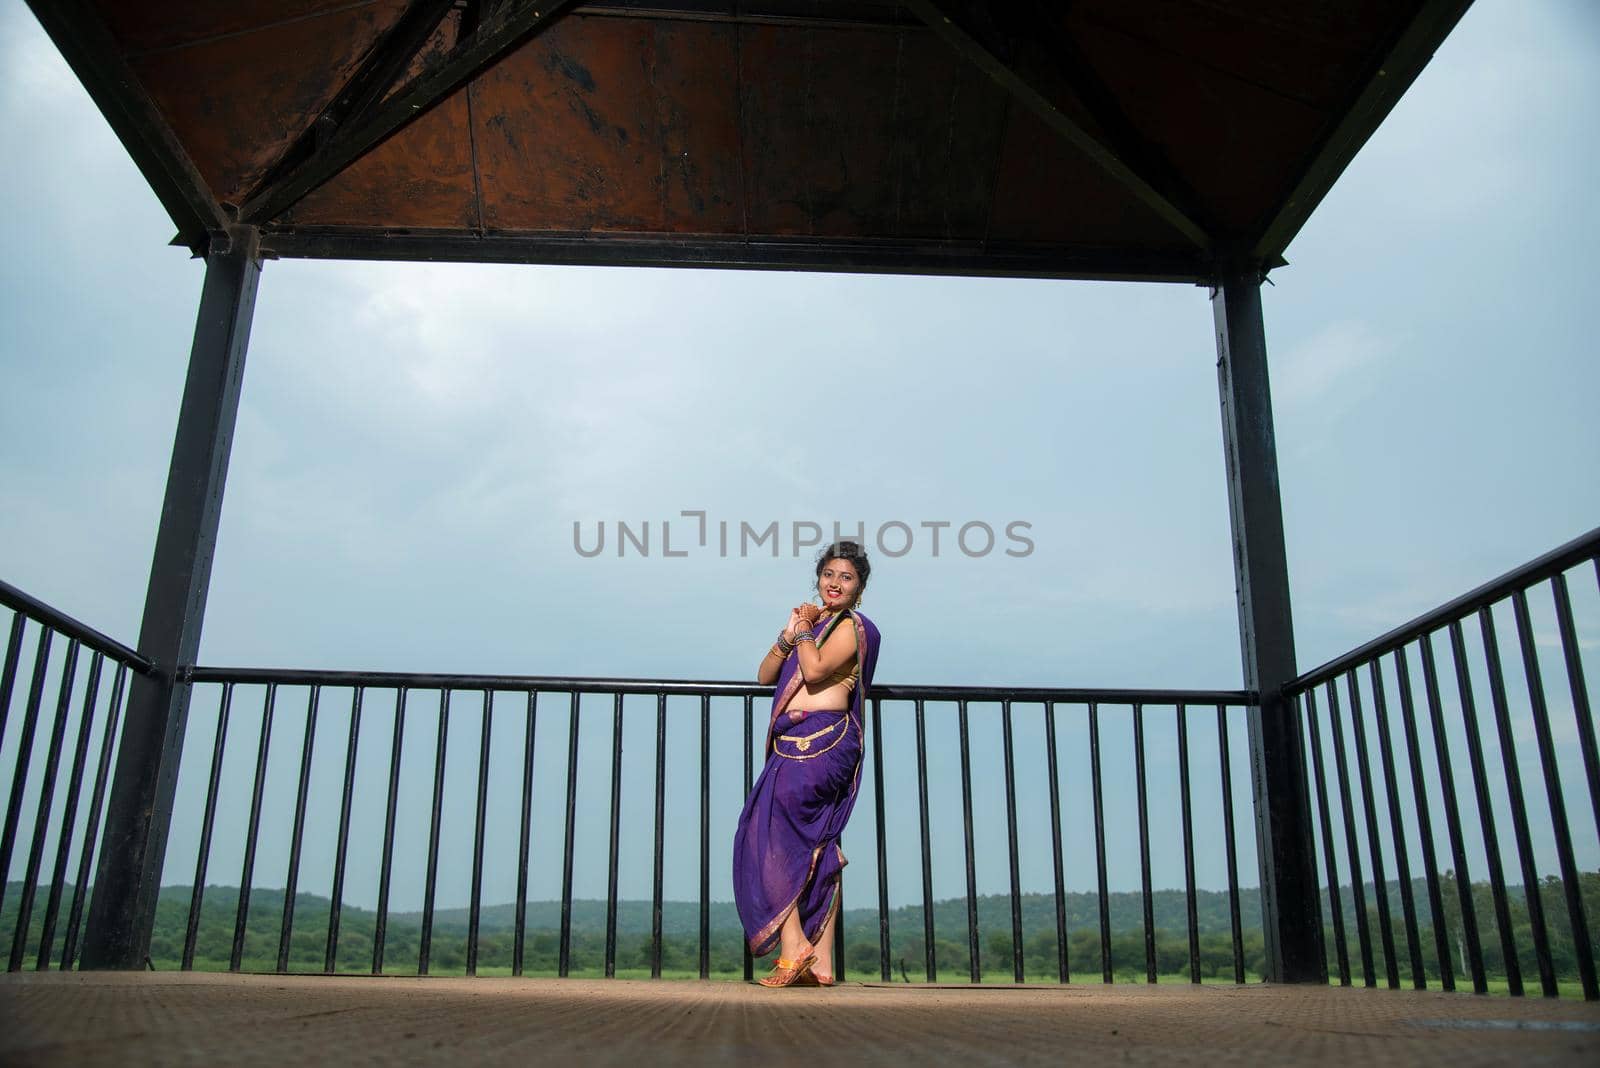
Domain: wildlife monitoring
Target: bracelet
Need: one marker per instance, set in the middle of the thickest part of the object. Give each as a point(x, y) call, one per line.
point(781, 654)
point(805, 636)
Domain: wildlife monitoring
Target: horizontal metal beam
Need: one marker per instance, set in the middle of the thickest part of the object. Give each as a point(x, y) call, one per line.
point(86, 44)
point(1574, 552)
point(408, 103)
point(775, 254)
point(941, 18)
point(1388, 81)
point(596, 685)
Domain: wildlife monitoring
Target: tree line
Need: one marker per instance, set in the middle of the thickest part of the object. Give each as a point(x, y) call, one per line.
point(680, 944)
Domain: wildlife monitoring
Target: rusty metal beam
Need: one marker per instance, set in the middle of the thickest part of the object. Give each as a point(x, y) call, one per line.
point(86, 44)
point(1388, 81)
point(945, 18)
point(387, 60)
point(515, 24)
point(771, 254)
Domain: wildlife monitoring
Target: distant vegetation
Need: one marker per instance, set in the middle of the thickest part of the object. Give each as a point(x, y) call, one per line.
point(680, 943)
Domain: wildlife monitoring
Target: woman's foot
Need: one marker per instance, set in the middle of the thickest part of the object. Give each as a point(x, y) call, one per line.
point(815, 977)
point(790, 971)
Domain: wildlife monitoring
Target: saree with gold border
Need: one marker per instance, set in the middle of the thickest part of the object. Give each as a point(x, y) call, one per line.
point(786, 853)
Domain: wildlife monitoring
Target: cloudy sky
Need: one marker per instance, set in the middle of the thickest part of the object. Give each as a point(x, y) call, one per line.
point(415, 444)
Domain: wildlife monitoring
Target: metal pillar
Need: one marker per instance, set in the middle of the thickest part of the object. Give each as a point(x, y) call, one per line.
point(1290, 908)
point(139, 812)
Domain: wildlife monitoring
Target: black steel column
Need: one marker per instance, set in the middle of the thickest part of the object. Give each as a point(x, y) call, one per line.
point(139, 812)
point(1289, 904)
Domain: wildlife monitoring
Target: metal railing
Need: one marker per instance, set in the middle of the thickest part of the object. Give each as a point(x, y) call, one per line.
point(48, 625)
point(1358, 692)
point(1452, 722)
point(531, 694)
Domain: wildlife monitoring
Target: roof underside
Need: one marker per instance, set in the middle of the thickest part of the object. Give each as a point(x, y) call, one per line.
point(1099, 138)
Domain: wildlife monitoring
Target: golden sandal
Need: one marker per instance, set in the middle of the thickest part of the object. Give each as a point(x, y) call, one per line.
point(787, 972)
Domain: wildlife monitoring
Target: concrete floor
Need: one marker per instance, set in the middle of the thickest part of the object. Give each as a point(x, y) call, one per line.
point(178, 1018)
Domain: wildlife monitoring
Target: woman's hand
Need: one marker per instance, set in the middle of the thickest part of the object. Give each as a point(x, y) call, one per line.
point(808, 613)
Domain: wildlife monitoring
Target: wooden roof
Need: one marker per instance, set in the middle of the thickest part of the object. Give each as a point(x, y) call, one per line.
point(1092, 138)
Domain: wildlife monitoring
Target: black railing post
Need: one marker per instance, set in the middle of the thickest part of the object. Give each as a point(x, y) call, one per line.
point(139, 812)
point(1290, 911)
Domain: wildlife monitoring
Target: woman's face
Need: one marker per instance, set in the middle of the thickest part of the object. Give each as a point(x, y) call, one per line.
point(838, 585)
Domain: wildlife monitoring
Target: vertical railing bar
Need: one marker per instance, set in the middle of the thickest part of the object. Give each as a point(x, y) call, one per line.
point(705, 836)
point(930, 965)
point(1352, 836)
point(1063, 965)
point(481, 817)
point(1369, 806)
point(41, 823)
point(292, 880)
point(1147, 901)
point(24, 760)
point(1452, 814)
point(1573, 655)
point(749, 782)
point(1519, 812)
point(1570, 875)
point(1190, 910)
point(616, 831)
point(1491, 839)
point(882, 843)
point(974, 951)
point(564, 953)
point(430, 886)
point(838, 932)
point(660, 832)
point(330, 956)
point(1234, 925)
point(108, 739)
point(69, 814)
point(380, 931)
point(524, 833)
point(1330, 852)
point(219, 745)
point(8, 673)
point(1397, 827)
point(1017, 962)
point(1419, 795)
point(1100, 842)
point(247, 873)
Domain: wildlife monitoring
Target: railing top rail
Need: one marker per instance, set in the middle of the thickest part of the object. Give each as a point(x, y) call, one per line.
point(577, 684)
point(1550, 564)
point(40, 612)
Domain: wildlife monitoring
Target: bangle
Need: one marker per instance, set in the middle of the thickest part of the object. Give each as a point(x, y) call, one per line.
point(781, 654)
point(805, 636)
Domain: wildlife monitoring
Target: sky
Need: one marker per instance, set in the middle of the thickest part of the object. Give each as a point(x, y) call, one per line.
point(416, 444)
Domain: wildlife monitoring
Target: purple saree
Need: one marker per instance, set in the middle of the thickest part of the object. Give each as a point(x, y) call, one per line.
point(786, 850)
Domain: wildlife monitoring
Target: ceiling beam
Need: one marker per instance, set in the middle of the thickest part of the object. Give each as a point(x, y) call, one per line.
point(944, 17)
point(1377, 95)
point(384, 62)
point(84, 41)
point(912, 257)
point(513, 25)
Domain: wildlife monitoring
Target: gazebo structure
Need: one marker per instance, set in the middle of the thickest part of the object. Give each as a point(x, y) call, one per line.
point(1162, 140)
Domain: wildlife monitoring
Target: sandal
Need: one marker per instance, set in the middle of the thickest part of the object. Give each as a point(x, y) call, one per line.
point(815, 978)
point(787, 972)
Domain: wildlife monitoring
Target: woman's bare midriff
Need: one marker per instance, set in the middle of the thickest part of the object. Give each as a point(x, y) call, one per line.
point(832, 697)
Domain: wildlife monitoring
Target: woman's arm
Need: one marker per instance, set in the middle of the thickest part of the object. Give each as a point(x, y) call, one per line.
point(818, 664)
point(772, 663)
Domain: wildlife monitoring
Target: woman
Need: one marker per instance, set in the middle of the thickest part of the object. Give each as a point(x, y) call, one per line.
point(786, 856)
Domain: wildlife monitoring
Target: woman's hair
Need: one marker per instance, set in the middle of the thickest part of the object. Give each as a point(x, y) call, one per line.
point(851, 553)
